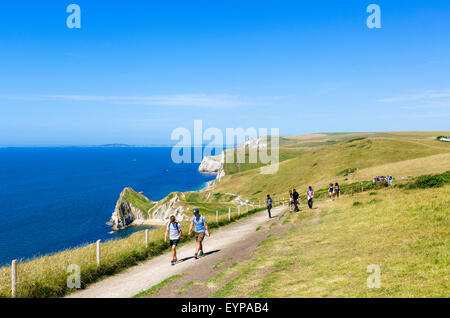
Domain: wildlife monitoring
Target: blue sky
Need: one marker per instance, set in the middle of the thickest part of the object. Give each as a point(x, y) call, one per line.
point(136, 70)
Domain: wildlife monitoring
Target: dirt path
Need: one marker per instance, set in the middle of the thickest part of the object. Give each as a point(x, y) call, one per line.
point(232, 243)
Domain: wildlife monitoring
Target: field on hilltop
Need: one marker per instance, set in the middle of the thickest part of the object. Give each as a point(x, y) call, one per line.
point(318, 160)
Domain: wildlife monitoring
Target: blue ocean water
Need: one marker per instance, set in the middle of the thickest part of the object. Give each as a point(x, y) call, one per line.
point(57, 198)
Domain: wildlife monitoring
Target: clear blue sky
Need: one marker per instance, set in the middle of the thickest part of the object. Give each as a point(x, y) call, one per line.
point(138, 69)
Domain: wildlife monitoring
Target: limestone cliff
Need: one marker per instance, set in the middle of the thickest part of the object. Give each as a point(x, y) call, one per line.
point(134, 208)
point(167, 207)
point(214, 165)
point(130, 207)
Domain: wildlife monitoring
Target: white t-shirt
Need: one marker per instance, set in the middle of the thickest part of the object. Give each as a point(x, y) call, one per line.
point(310, 194)
point(174, 230)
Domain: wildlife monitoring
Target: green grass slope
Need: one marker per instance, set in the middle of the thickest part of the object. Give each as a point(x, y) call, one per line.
point(320, 165)
point(326, 252)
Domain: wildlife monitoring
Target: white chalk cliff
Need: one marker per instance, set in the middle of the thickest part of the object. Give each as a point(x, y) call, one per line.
point(134, 208)
point(126, 212)
point(214, 165)
point(168, 208)
point(260, 142)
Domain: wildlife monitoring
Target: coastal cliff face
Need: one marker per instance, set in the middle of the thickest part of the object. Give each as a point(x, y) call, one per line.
point(214, 165)
point(259, 143)
point(171, 206)
point(130, 207)
point(134, 208)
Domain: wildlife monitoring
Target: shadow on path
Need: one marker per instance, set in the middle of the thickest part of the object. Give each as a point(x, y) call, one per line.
point(205, 254)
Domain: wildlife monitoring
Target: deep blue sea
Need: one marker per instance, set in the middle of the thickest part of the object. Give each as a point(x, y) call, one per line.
point(57, 198)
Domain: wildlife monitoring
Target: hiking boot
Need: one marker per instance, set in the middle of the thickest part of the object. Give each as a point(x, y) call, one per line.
point(172, 262)
point(196, 256)
point(200, 254)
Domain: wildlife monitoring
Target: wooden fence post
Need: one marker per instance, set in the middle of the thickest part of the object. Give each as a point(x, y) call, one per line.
point(98, 252)
point(146, 238)
point(229, 214)
point(14, 279)
point(217, 216)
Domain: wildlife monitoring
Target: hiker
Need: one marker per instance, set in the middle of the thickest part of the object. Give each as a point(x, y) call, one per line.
point(390, 180)
point(269, 203)
point(291, 201)
point(336, 190)
point(331, 192)
point(295, 196)
point(201, 228)
point(310, 197)
point(174, 228)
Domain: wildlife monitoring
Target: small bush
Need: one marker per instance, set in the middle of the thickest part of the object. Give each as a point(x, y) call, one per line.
point(357, 203)
point(346, 172)
point(430, 181)
point(356, 139)
point(373, 201)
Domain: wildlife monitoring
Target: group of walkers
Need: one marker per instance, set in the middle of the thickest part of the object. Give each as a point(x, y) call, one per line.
point(200, 226)
point(334, 191)
point(173, 230)
point(383, 179)
point(294, 197)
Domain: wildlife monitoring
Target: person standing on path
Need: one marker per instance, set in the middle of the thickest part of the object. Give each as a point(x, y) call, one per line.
point(295, 196)
point(331, 192)
point(269, 203)
point(291, 201)
point(310, 197)
point(174, 228)
point(336, 190)
point(201, 228)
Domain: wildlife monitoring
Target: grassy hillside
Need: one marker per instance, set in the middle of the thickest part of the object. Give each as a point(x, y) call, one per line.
point(326, 252)
point(405, 231)
point(354, 158)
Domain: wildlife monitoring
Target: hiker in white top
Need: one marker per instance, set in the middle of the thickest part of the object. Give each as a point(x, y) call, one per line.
point(174, 229)
point(310, 197)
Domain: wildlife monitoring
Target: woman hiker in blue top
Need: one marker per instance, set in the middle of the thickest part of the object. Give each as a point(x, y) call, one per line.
point(201, 227)
point(174, 228)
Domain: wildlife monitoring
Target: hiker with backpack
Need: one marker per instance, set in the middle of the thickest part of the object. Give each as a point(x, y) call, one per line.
point(291, 201)
point(174, 231)
point(310, 197)
point(295, 196)
point(331, 192)
point(336, 190)
point(269, 203)
point(201, 229)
